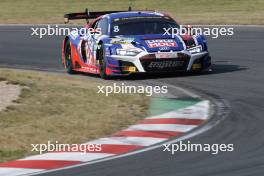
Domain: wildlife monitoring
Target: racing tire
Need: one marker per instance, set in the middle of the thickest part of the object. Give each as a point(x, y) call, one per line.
point(102, 63)
point(68, 58)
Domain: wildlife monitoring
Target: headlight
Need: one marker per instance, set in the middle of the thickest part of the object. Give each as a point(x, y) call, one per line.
point(124, 52)
point(196, 49)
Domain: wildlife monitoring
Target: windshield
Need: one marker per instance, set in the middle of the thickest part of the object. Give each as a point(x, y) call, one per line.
point(141, 26)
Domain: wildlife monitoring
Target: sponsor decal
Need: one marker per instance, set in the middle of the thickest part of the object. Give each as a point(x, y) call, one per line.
point(166, 55)
point(157, 43)
point(121, 40)
point(165, 64)
point(164, 48)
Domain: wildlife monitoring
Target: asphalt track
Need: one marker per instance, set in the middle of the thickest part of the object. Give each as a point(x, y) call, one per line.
point(237, 78)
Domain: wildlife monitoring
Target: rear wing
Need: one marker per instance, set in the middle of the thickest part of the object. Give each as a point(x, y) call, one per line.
point(87, 15)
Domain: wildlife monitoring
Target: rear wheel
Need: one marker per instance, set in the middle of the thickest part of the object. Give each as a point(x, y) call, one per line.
point(68, 58)
point(102, 63)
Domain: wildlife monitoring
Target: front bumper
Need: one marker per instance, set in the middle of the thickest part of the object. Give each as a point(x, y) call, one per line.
point(148, 62)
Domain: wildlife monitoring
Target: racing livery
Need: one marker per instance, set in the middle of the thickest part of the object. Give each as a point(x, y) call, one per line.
point(126, 42)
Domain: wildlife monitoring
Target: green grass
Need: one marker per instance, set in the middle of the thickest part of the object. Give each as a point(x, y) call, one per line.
point(62, 108)
point(185, 11)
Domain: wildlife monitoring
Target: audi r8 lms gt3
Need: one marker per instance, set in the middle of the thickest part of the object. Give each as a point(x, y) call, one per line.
point(125, 42)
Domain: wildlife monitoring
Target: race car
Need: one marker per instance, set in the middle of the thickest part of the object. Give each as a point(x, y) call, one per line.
point(127, 42)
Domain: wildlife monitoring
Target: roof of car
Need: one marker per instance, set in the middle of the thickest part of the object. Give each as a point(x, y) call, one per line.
point(134, 14)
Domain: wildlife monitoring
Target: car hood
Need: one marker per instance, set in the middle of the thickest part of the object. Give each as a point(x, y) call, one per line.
point(150, 43)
